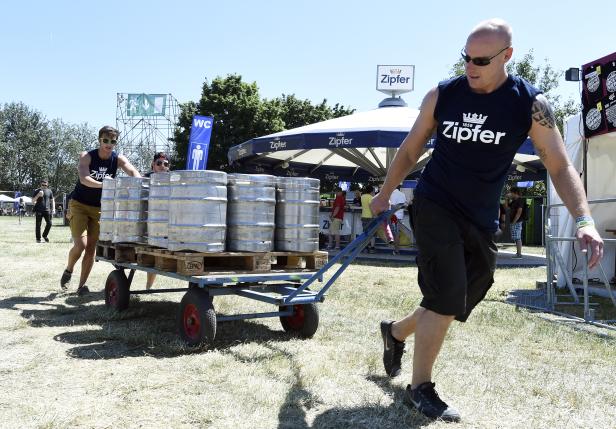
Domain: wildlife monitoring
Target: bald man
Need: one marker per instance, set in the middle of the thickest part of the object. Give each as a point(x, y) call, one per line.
point(480, 120)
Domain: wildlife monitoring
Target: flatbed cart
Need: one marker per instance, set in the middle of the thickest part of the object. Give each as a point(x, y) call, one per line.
point(289, 291)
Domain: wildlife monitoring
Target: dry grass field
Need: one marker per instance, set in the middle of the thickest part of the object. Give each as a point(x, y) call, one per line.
point(69, 362)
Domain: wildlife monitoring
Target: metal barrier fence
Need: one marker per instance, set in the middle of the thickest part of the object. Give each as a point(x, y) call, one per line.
point(554, 257)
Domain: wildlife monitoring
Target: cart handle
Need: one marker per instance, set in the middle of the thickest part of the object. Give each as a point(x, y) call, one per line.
point(348, 254)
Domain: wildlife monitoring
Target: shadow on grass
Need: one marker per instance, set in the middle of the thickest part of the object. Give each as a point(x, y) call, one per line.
point(534, 301)
point(299, 399)
point(292, 414)
point(10, 303)
point(146, 328)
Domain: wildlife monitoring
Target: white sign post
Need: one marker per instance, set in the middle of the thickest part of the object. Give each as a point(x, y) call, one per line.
point(395, 80)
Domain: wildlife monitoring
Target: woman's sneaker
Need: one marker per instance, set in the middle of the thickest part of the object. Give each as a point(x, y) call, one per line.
point(65, 279)
point(83, 290)
point(425, 399)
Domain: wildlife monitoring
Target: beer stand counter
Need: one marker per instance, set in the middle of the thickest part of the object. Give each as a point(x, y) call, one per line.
point(257, 278)
point(351, 224)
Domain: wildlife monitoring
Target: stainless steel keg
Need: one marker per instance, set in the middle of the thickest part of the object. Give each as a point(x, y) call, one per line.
point(297, 214)
point(197, 210)
point(106, 220)
point(251, 210)
point(130, 209)
point(158, 209)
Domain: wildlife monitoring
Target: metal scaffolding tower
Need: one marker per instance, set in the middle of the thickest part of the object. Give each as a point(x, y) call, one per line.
point(146, 123)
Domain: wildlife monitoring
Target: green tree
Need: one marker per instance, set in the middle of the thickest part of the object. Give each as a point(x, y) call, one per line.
point(296, 112)
point(68, 141)
point(543, 77)
point(240, 115)
point(24, 148)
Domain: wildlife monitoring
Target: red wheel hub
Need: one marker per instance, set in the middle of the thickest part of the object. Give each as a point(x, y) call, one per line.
point(296, 321)
point(112, 292)
point(192, 322)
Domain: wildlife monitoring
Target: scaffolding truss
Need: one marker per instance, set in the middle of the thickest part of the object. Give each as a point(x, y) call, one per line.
point(141, 136)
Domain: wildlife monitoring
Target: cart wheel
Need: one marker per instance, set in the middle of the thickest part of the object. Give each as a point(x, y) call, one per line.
point(197, 318)
point(304, 321)
point(117, 290)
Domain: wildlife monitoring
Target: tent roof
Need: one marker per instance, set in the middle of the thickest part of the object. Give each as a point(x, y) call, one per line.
point(361, 144)
point(397, 119)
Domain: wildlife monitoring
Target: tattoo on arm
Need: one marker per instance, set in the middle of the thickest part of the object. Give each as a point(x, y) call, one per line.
point(542, 112)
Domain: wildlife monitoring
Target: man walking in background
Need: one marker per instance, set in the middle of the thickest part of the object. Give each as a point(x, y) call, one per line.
point(44, 208)
point(85, 205)
point(516, 213)
point(480, 120)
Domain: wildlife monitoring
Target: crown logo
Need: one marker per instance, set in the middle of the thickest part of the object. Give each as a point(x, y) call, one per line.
point(339, 134)
point(395, 71)
point(474, 118)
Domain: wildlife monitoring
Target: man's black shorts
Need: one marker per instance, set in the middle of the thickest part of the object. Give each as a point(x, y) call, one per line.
point(456, 260)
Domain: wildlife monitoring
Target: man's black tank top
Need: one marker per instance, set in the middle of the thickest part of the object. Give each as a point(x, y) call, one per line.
point(476, 140)
point(99, 169)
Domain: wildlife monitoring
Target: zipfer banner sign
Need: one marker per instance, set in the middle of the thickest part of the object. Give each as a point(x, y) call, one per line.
point(199, 142)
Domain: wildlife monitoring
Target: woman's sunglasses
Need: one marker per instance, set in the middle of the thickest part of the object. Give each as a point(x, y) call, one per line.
point(109, 141)
point(165, 163)
point(480, 61)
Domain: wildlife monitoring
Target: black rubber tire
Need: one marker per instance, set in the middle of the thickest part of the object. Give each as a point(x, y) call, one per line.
point(117, 290)
point(196, 319)
point(304, 321)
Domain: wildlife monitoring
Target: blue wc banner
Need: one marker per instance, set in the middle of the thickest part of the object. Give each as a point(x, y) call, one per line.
point(199, 142)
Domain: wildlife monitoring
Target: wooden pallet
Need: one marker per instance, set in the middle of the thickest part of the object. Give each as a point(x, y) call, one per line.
point(196, 263)
point(299, 260)
point(119, 252)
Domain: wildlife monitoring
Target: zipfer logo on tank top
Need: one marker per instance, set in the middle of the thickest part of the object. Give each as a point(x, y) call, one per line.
point(470, 130)
point(100, 174)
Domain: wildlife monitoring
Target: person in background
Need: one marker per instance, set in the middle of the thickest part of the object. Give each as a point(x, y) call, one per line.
point(84, 209)
point(336, 218)
point(516, 210)
point(21, 208)
point(160, 164)
point(502, 216)
point(366, 213)
point(357, 198)
point(397, 197)
point(44, 208)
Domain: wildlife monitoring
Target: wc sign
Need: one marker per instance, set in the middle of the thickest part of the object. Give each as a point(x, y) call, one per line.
point(199, 143)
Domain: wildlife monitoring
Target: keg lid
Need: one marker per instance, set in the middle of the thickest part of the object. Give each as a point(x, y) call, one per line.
point(160, 178)
point(209, 176)
point(298, 182)
point(251, 179)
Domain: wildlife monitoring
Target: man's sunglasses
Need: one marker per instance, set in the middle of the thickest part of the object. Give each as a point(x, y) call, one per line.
point(165, 163)
point(480, 61)
point(109, 141)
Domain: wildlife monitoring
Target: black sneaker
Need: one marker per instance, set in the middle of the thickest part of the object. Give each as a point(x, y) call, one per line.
point(66, 278)
point(46, 239)
point(392, 350)
point(83, 290)
point(425, 399)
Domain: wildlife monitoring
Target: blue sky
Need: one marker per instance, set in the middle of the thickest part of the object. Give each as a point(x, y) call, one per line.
point(68, 59)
